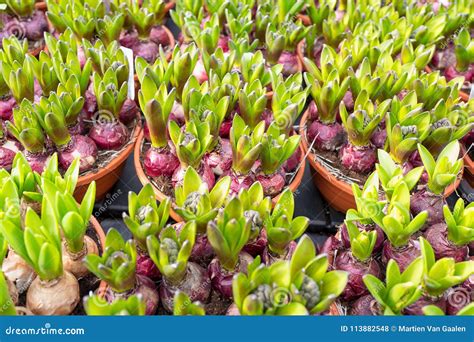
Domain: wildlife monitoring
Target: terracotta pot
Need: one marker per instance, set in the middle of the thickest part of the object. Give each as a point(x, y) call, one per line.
point(107, 176)
point(464, 96)
point(469, 166)
point(304, 19)
point(170, 5)
point(336, 192)
point(300, 53)
point(161, 196)
point(41, 5)
point(99, 231)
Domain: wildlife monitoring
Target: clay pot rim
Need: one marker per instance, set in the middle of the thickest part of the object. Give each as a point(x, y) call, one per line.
point(115, 162)
point(99, 231)
point(468, 162)
point(295, 183)
point(340, 184)
point(464, 96)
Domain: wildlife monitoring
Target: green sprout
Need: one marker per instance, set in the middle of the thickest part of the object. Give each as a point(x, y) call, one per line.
point(246, 144)
point(364, 120)
point(433, 310)
point(252, 102)
point(445, 169)
point(39, 242)
point(406, 125)
point(281, 227)
point(171, 251)
point(145, 217)
point(228, 233)
point(396, 222)
point(440, 275)
point(460, 223)
point(391, 174)
point(156, 104)
point(117, 264)
point(464, 50)
point(183, 306)
point(400, 289)
point(192, 143)
point(95, 305)
point(276, 148)
point(194, 201)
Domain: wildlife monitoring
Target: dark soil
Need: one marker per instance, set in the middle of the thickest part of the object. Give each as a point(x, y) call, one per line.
point(217, 305)
point(333, 157)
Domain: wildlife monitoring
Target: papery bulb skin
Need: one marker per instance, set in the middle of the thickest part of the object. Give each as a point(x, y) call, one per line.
point(143, 286)
point(270, 258)
point(79, 128)
point(239, 182)
point(146, 132)
point(360, 159)
point(146, 267)
point(74, 262)
point(437, 236)
point(220, 159)
point(426, 200)
point(204, 171)
point(6, 108)
point(451, 72)
point(293, 162)
point(232, 310)
point(109, 135)
point(81, 147)
point(403, 256)
point(12, 292)
point(160, 162)
point(326, 137)
point(129, 39)
point(355, 287)
point(56, 297)
point(257, 245)
point(35, 26)
point(200, 71)
point(128, 112)
point(223, 43)
point(348, 100)
point(365, 306)
point(196, 284)
point(225, 128)
point(159, 36)
point(17, 271)
point(468, 139)
point(416, 309)
point(312, 111)
point(379, 138)
point(330, 247)
point(221, 279)
point(289, 60)
point(177, 114)
point(378, 243)
point(6, 158)
point(272, 184)
point(148, 50)
point(90, 102)
point(81, 55)
point(37, 161)
point(202, 252)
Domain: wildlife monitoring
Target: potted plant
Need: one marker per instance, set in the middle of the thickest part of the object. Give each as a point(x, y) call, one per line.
point(438, 276)
point(145, 218)
point(228, 233)
point(95, 305)
point(171, 252)
point(306, 287)
point(25, 21)
point(116, 268)
point(401, 289)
